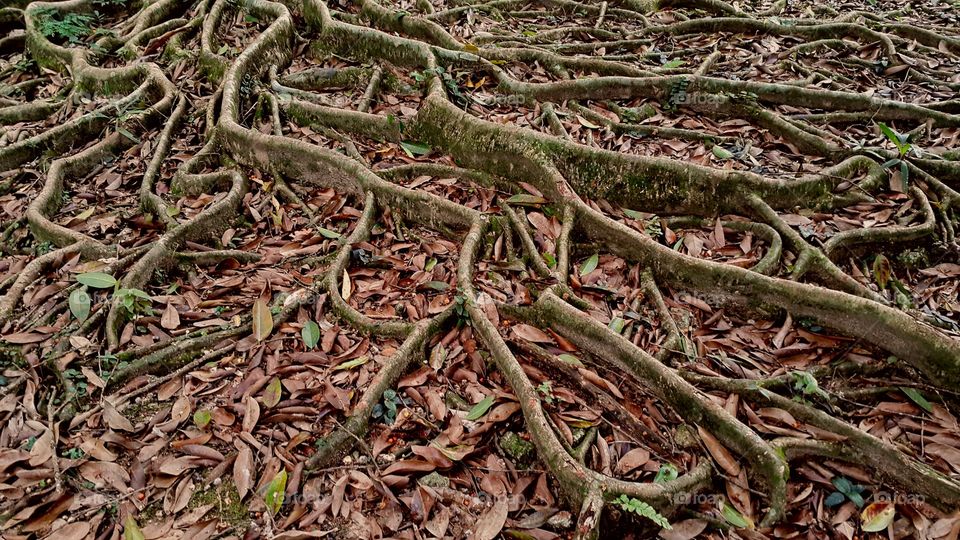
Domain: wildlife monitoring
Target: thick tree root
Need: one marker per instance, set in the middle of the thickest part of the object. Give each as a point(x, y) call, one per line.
point(581, 184)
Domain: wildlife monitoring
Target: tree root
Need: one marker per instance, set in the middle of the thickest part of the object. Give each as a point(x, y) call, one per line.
point(581, 183)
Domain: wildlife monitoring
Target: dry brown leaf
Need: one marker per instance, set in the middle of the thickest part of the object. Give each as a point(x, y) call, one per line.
point(684, 530)
point(720, 454)
point(93, 378)
point(243, 471)
point(491, 523)
point(170, 318)
point(115, 419)
point(531, 333)
point(71, 531)
point(104, 474)
point(345, 288)
point(177, 499)
point(251, 414)
point(633, 459)
point(42, 449)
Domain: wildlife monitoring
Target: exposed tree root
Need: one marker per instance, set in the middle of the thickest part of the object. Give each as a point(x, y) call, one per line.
point(584, 75)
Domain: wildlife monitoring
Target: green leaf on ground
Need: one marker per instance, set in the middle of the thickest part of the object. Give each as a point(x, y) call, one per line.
point(79, 302)
point(310, 334)
point(273, 496)
point(590, 264)
point(481, 408)
point(97, 280)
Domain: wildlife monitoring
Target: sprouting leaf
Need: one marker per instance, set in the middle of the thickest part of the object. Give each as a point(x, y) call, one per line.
point(917, 398)
point(526, 199)
point(79, 302)
point(849, 490)
point(842, 484)
point(202, 418)
point(273, 496)
point(128, 134)
point(666, 473)
point(889, 133)
point(271, 395)
point(898, 139)
point(135, 293)
point(882, 271)
point(310, 334)
point(262, 320)
point(721, 152)
point(97, 280)
point(590, 264)
point(550, 260)
point(327, 233)
point(891, 163)
point(617, 324)
point(350, 364)
point(570, 359)
point(414, 149)
point(131, 531)
point(481, 408)
point(807, 383)
point(834, 499)
point(877, 516)
point(734, 517)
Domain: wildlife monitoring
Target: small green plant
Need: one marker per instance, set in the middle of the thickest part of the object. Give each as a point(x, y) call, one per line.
point(651, 223)
point(28, 443)
point(43, 248)
point(70, 27)
point(546, 388)
point(463, 317)
point(904, 148)
point(24, 65)
point(74, 453)
point(78, 379)
point(642, 509)
point(549, 259)
point(677, 94)
point(667, 473)
point(386, 410)
point(109, 362)
point(448, 81)
point(134, 301)
point(845, 490)
point(806, 383)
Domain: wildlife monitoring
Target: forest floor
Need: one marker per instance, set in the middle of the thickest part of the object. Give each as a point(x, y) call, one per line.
point(522, 269)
